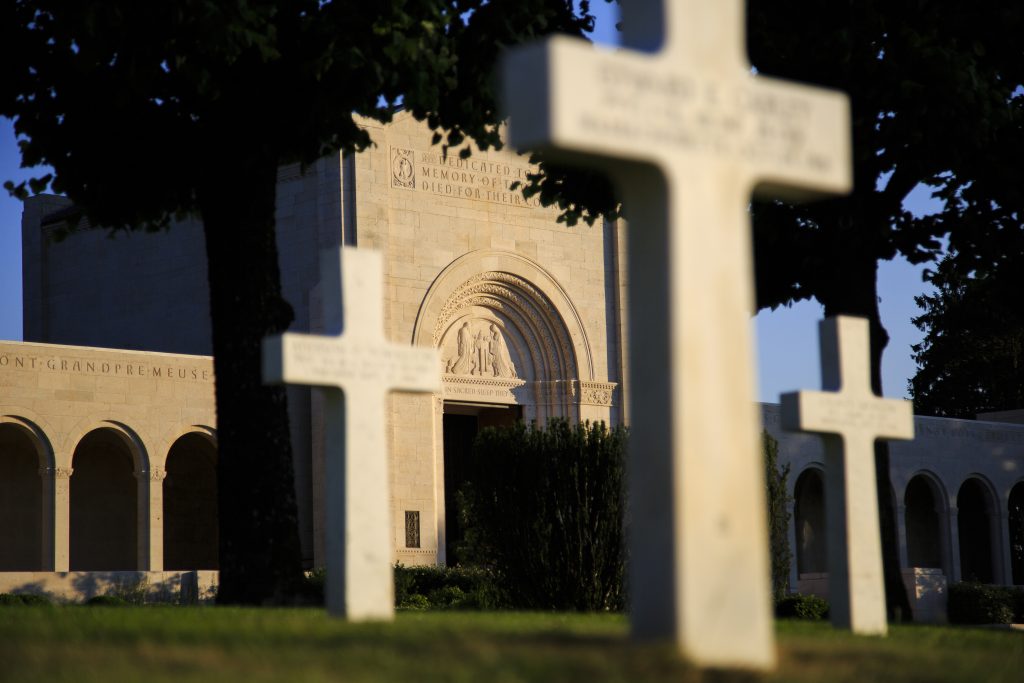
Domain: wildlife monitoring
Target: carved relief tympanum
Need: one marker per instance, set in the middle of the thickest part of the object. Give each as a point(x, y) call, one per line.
point(481, 351)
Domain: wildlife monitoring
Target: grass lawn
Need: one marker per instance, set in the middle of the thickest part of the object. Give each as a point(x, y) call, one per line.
point(153, 644)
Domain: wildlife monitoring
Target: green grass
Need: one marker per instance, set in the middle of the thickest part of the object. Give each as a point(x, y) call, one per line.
point(154, 644)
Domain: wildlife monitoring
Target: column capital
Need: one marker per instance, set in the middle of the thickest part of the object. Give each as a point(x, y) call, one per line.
point(153, 474)
point(56, 472)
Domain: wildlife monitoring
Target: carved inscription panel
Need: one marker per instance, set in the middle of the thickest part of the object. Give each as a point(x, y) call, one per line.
point(431, 173)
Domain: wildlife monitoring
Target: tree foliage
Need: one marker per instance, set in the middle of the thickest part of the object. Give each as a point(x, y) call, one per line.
point(776, 479)
point(152, 111)
point(935, 98)
point(971, 359)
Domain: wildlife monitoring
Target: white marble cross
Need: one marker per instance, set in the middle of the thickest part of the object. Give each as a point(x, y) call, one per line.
point(356, 370)
point(687, 132)
point(850, 417)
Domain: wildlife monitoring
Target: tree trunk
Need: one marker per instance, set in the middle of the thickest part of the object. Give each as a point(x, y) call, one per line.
point(260, 560)
point(857, 294)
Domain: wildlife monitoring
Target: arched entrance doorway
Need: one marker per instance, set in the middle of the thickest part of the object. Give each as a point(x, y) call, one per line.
point(461, 423)
point(975, 530)
point(923, 523)
point(1016, 511)
point(103, 527)
point(809, 517)
point(21, 502)
point(190, 504)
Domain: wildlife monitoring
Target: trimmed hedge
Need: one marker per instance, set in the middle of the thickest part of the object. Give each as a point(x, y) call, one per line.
point(979, 603)
point(429, 587)
point(24, 599)
point(545, 508)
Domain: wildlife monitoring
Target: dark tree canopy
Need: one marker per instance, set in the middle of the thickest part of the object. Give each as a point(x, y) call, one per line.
point(102, 90)
point(972, 357)
point(151, 111)
point(934, 91)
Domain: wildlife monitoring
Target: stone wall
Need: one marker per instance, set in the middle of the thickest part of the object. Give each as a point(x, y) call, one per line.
point(115, 415)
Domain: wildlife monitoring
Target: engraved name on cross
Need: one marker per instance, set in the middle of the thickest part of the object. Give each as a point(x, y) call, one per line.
point(356, 370)
point(687, 132)
point(850, 417)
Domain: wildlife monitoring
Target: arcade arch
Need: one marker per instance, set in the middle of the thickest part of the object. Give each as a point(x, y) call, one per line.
point(24, 464)
point(925, 512)
point(104, 501)
point(809, 517)
point(976, 529)
point(190, 503)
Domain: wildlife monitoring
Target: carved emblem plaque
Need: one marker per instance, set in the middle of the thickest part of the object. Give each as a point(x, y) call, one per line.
point(403, 171)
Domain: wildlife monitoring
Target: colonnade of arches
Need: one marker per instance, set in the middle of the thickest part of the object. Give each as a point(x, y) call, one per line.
point(108, 504)
point(973, 534)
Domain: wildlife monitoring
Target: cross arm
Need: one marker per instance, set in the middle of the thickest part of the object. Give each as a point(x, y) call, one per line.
point(339, 362)
point(295, 358)
point(555, 92)
point(826, 412)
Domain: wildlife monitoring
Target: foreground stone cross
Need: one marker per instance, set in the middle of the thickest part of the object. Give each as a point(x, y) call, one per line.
point(687, 132)
point(356, 370)
point(850, 417)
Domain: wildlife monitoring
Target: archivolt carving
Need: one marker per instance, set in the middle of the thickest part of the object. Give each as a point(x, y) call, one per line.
point(504, 291)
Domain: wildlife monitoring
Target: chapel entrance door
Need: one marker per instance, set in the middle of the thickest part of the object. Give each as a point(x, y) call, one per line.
point(461, 423)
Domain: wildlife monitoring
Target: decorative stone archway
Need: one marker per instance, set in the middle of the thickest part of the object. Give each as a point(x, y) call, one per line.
point(511, 342)
point(509, 334)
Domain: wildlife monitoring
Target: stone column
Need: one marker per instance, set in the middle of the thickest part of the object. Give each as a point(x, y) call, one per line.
point(794, 568)
point(954, 544)
point(440, 520)
point(56, 524)
point(150, 518)
point(1003, 563)
point(901, 535)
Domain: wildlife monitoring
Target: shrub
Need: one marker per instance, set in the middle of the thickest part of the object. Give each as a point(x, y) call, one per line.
point(778, 516)
point(1017, 602)
point(978, 603)
point(797, 606)
point(448, 597)
point(107, 601)
point(414, 601)
point(447, 588)
point(24, 599)
point(545, 508)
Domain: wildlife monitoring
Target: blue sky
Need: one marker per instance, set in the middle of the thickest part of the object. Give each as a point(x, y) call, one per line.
point(787, 348)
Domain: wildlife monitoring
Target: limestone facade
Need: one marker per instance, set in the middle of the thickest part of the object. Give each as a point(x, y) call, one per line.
point(527, 314)
point(524, 310)
point(88, 437)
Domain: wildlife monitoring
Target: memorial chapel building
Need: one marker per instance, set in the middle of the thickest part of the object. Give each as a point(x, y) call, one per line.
point(107, 420)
